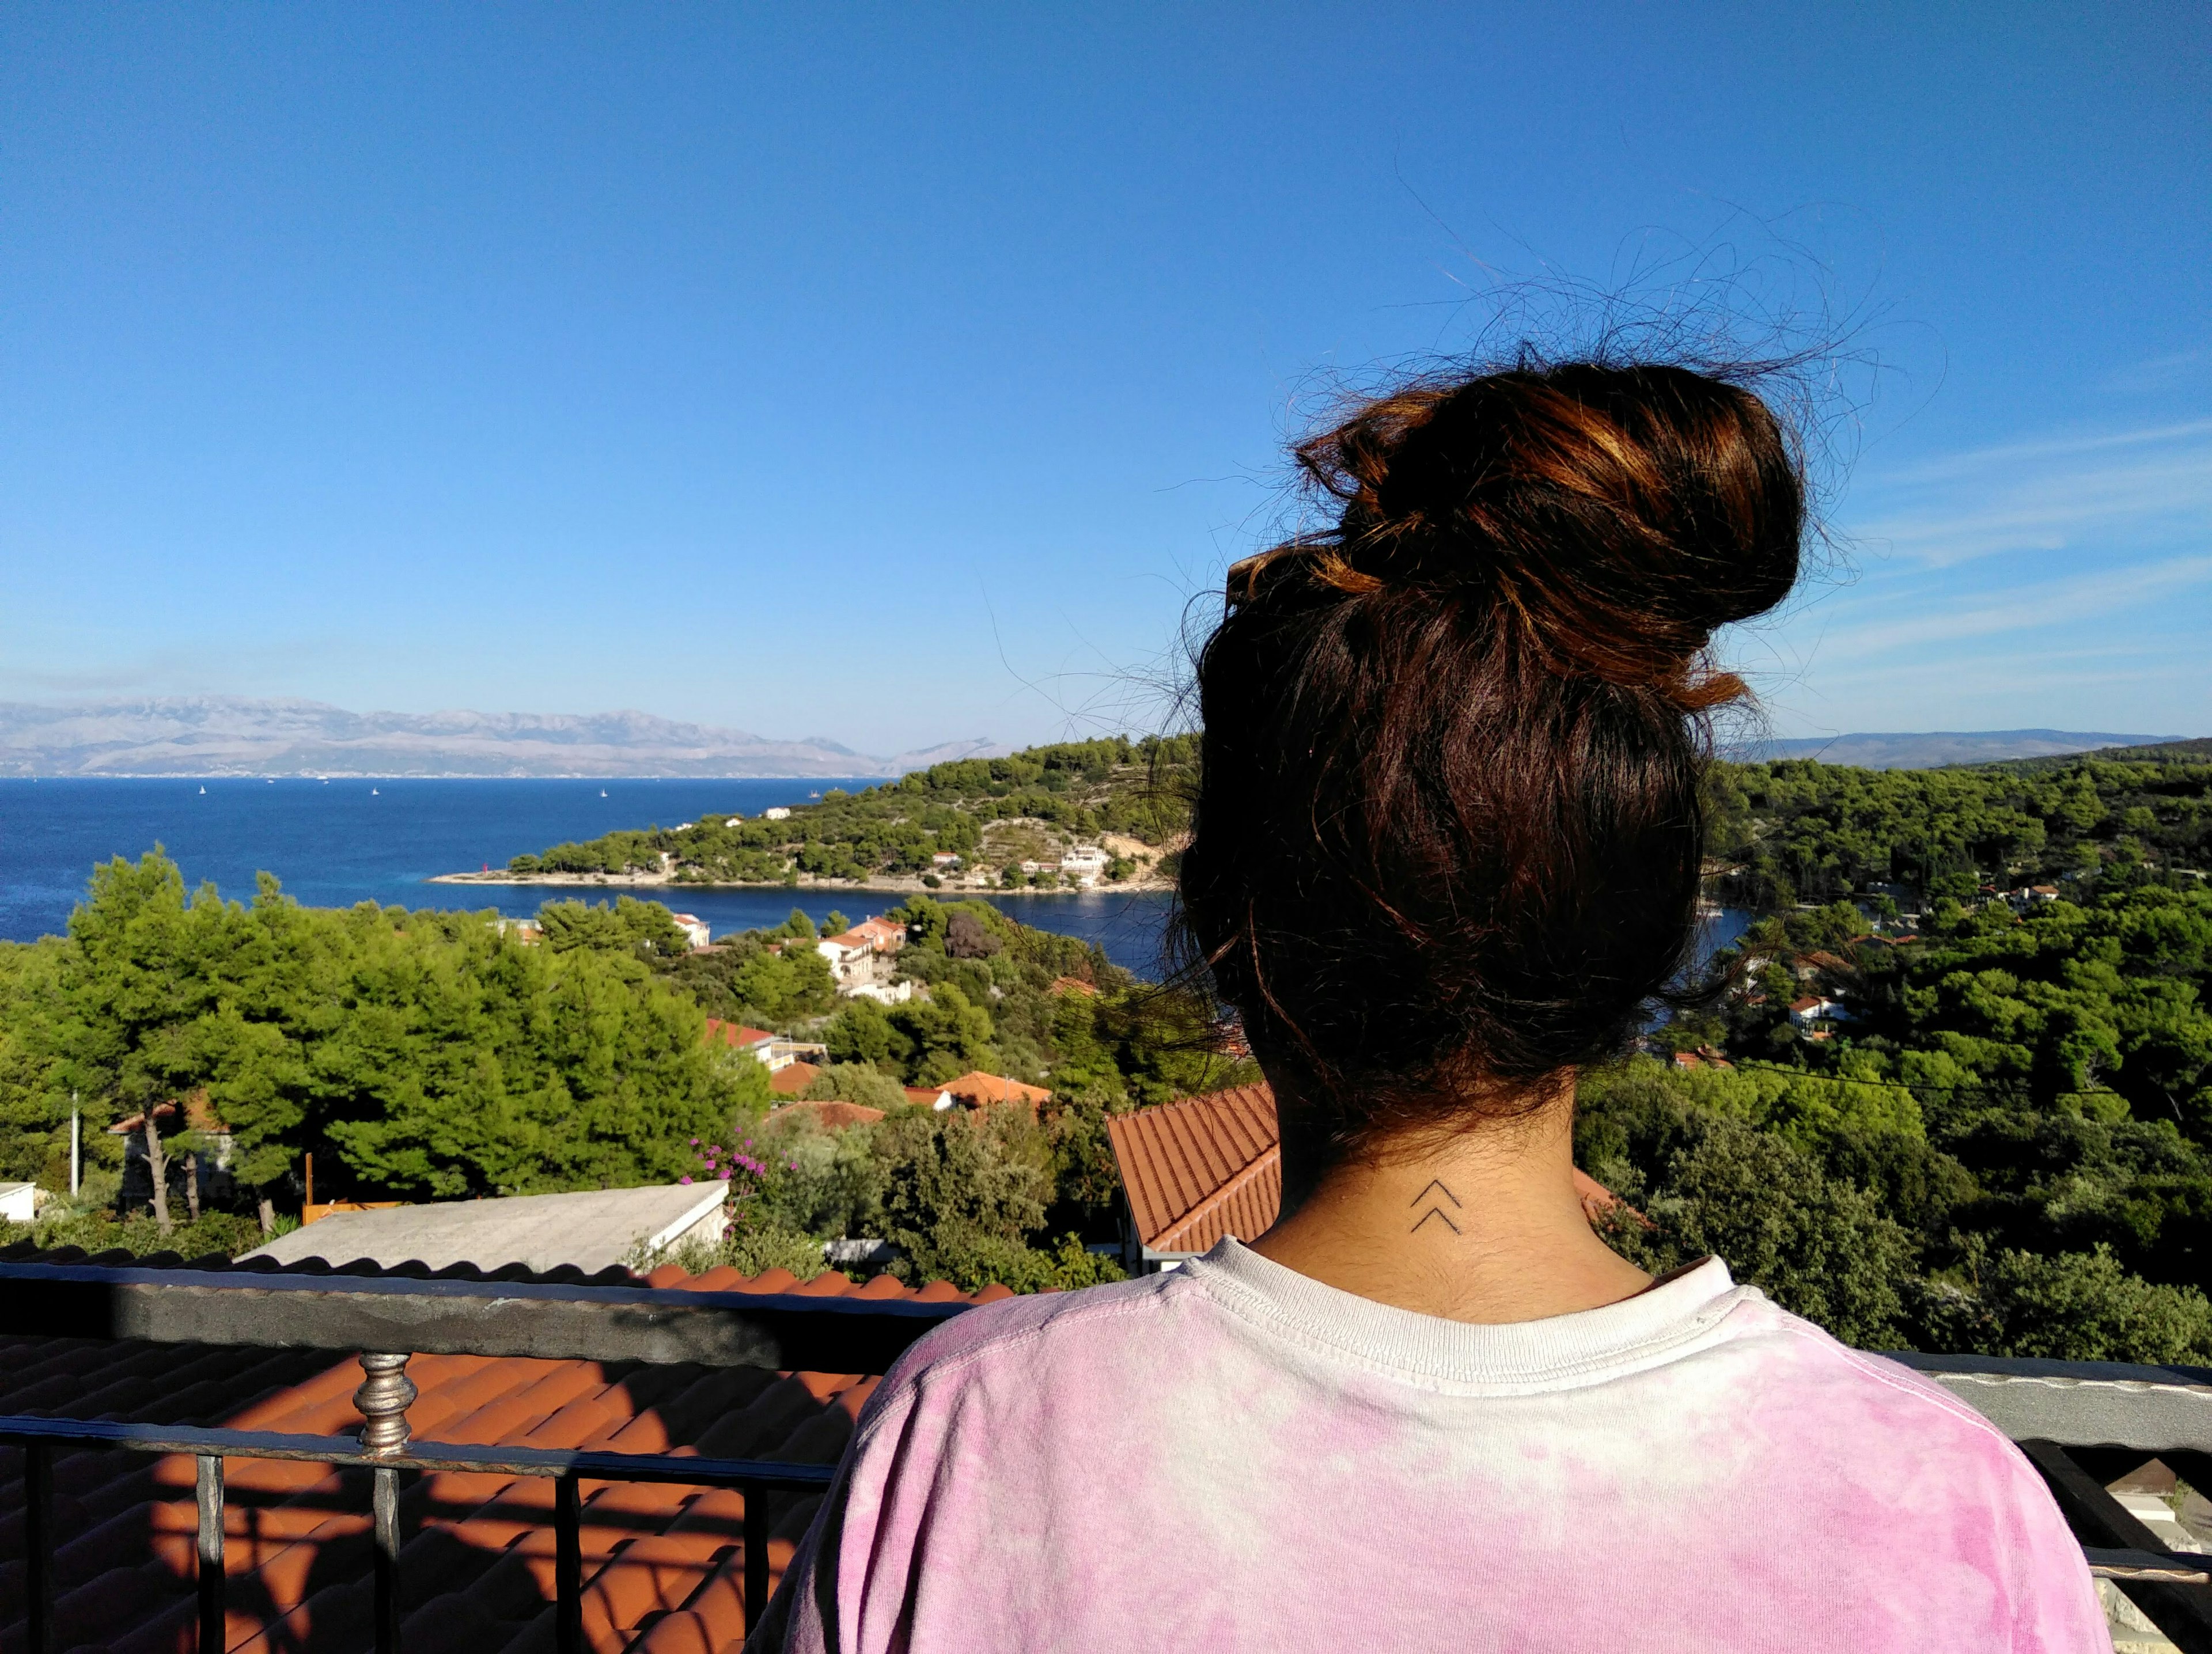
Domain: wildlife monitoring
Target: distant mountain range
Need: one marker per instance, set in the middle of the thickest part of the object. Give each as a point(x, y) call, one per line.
point(1927, 752)
point(223, 734)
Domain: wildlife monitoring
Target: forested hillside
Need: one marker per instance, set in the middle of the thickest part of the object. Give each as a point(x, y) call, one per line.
point(1782, 833)
point(1135, 789)
point(1800, 832)
point(1984, 1122)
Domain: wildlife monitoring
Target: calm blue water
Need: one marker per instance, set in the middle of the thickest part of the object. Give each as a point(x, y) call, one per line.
point(336, 843)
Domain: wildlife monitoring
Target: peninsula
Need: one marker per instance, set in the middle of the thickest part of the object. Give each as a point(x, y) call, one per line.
point(1078, 815)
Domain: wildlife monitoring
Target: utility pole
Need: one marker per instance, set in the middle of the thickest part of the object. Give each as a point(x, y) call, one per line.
point(77, 1147)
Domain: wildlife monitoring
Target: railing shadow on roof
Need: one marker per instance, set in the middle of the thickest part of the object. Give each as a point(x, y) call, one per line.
point(2082, 1425)
point(385, 1318)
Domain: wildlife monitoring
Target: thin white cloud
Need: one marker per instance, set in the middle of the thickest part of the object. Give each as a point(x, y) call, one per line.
point(2131, 488)
point(2018, 608)
point(2159, 373)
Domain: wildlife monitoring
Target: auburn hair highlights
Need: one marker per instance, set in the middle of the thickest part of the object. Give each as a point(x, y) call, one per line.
point(1447, 835)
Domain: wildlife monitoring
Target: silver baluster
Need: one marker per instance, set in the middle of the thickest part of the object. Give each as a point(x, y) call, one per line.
point(384, 1397)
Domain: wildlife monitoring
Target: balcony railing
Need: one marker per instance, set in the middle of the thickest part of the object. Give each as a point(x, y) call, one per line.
point(2083, 1425)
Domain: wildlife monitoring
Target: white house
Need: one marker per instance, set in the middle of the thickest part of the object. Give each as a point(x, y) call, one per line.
point(882, 993)
point(778, 813)
point(693, 928)
point(1081, 859)
point(1810, 1012)
point(19, 1201)
point(774, 1051)
point(851, 956)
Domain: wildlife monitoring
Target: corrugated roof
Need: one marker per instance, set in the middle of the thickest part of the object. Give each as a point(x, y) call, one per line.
point(1200, 1169)
point(664, 1564)
point(591, 1228)
point(1209, 1166)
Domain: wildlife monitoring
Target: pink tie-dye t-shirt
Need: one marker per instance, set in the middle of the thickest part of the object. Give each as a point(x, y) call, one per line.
point(1233, 1457)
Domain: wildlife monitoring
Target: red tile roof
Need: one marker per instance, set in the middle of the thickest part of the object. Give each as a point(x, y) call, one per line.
point(1073, 984)
point(733, 1033)
point(1202, 1168)
point(834, 1114)
point(980, 1090)
point(792, 1078)
point(664, 1566)
point(1208, 1166)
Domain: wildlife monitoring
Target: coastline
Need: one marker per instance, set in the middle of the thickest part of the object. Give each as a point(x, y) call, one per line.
point(887, 885)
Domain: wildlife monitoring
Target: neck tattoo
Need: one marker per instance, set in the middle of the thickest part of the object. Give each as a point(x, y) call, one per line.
point(1437, 1203)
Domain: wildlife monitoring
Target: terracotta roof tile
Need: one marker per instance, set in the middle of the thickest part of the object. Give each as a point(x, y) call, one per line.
point(980, 1090)
point(735, 1033)
point(1208, 1166)
point(792, 1078)
point(1202, 1168)
point(664, 1564)
point(834, 1114)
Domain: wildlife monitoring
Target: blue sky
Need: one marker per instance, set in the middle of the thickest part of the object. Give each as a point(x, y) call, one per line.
point(903, 374)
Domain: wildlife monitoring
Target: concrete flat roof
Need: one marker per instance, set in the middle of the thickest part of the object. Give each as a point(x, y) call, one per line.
point(591, 1229)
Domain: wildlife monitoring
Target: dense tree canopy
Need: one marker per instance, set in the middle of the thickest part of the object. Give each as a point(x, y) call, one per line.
point(1136, 788)
point(2019, 1079)
point(1800, 831)
point(421, 1054)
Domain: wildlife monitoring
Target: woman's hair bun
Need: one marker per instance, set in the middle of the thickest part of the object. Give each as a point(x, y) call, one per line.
point(1615, 516)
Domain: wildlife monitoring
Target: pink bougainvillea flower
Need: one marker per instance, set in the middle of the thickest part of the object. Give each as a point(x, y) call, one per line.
point(682, 1179)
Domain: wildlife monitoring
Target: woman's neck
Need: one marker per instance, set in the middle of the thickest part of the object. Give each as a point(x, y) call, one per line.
point(1480, 1225)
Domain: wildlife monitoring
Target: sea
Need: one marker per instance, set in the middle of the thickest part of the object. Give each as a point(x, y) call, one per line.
point(334, 843)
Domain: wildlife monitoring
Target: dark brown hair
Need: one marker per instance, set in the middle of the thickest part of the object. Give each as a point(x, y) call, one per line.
point(1447, 834)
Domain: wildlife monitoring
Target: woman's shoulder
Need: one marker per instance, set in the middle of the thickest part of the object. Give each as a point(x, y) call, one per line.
point(1025, 1328)
point(1857, 1401)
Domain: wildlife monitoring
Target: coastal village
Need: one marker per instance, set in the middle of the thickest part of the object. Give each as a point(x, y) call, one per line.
point(1020, 854)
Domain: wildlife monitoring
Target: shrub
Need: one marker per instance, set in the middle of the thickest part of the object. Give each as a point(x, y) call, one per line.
point(750, 1251)
point(856, 1082)
point(976, 1261)
point(954, 1198)
point(2077, 1306)
point(226, 1233)
point(1818, 1246)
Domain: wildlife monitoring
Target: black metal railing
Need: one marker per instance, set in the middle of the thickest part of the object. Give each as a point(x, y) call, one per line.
point(386, 1320)
point(2083, 1425)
